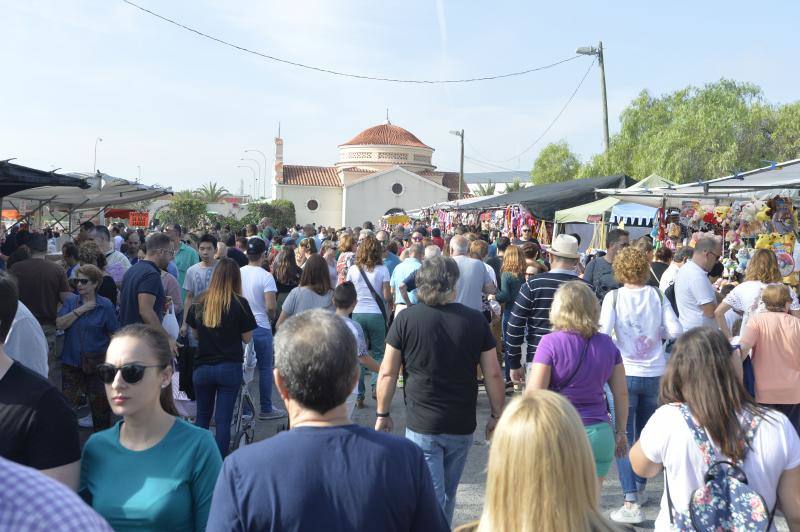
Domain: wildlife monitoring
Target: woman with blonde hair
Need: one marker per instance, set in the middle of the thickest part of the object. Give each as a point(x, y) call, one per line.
point(745, 299)
point(512, 275)
point(576, 361)
point(541, 474)
point(641, 317)
point(221, 320)
point(371, 279)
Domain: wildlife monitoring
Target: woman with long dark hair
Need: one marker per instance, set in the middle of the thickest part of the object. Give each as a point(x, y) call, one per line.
point(151, 470)
point(705, 403)
point(315, 290)
point(221, 320)
point(287, 275)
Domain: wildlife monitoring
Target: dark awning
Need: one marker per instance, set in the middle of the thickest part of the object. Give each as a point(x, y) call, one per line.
point(16, 178)
point(544, 200)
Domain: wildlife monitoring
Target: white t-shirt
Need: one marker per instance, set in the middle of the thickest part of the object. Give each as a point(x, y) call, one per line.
point(361, 342)
point(26, 342)
point(118, 240)
point(366, 303)
point(640, 319)
point(746, 298)
point(667, 440)
point(668, 277)
point(692, 289)
point(255, 283)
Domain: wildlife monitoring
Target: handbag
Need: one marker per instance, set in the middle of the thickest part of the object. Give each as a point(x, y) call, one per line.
point(563, 386)
point(378, 299)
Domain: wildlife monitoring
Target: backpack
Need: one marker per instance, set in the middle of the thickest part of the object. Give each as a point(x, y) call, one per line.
point(725, 501)
point(670, 295)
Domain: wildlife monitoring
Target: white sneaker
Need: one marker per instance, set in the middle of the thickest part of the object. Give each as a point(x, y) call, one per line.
point(86, 422)
point(632, 515)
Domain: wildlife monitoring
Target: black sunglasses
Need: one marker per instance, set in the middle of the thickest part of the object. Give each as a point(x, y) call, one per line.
point(131, 373)
point(82, 281)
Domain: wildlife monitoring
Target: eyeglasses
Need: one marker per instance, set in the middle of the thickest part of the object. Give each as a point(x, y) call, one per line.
point(131, 373)
point(81, 281)
point(526, 230)
point(529, 275)
point(416, 238)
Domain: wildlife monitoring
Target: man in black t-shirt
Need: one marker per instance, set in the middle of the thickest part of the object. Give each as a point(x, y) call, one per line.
point(440, 345)
point(142, 296)
point(38, 428)
point(326, 473)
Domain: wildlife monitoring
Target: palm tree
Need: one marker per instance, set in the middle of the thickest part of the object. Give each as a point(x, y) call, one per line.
point(184, 195)
point(486, 190)
point(211, 192)
point(516, 185)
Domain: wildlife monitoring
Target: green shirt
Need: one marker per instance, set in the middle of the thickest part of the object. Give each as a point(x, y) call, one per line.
point(166, 487)
point(184, 259)
point(509, 287)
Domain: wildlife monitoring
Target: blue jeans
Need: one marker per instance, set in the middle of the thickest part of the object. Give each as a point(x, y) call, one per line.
point(262, 341)
point(642, 402)
point(220, 384)
point(446, 455)
point(503, 324)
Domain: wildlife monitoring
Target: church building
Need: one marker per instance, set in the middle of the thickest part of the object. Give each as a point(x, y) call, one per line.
point(382, 170)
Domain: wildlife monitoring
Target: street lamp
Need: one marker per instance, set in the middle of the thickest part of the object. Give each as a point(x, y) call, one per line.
point(254, 175)
point(591, 50)
point(140, 173)
point(98, 139)
point(264, 176)
point(258, 165)
point(461, 167)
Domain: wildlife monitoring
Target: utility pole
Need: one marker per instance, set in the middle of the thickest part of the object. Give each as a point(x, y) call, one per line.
point(601, 60)
point(460, 134)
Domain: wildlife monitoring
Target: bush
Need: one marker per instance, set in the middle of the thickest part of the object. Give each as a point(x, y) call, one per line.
point(280, 212)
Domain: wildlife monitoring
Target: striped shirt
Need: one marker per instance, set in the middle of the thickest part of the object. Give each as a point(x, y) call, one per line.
point(530, 317)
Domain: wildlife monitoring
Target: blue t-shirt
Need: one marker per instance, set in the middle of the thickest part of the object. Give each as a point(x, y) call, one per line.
point(327, 478)
point(166, 487)
point(144, 277)
point(90, 333)
point(391, 261)
point(171, 268)
point(400, 273)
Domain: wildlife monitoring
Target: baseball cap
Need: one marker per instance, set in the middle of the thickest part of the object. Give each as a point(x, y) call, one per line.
point(256, 246)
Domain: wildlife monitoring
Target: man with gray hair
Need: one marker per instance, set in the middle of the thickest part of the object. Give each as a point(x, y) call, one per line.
point(348, 477)
point(475, 279)
point(440, 343)
point(694, 293)
point(408, 267)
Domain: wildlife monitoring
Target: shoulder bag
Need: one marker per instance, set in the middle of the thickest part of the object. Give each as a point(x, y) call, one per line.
point(378, 299)
point(563, 386)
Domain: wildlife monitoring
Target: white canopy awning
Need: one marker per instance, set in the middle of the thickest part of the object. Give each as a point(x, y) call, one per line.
point(105, 191)
point(779, 178)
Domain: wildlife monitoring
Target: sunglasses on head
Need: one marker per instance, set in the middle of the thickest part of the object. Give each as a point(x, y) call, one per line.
point(131, 373)
point(81, 281)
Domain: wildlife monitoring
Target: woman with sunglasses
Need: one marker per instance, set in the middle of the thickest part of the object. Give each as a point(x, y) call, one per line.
point(88, 321)
point(221, 320)
point(151, 470)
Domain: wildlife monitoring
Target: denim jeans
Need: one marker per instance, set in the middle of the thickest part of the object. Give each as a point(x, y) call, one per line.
point(262, 341)
point(446, 455)
point(503, 324)
point(375, 332)
point(642, 402)
point(220, 384)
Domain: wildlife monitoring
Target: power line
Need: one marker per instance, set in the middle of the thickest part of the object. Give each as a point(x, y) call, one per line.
point(547, 129)
point(345, 74)
point(487, 165)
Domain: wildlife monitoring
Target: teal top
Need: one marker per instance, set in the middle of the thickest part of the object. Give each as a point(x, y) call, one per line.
point(166, 487)
point(185, 257)
point(509, 287)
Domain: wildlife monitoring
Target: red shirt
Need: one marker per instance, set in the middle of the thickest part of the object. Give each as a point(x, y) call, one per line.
point(439, 241)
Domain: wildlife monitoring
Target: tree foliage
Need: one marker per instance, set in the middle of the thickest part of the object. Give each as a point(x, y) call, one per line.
point(486, 189)
point(700, 133)
point(190, 212)
point(211, 192)
point(555, 164)
point(281, 213)
point(515, 185)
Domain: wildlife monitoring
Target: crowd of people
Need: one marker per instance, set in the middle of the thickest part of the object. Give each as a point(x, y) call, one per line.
point(636, 357)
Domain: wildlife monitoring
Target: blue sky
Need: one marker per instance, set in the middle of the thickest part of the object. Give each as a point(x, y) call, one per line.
point(184, 108)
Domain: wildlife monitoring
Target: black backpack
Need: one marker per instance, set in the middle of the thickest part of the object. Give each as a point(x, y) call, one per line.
point(669, 293)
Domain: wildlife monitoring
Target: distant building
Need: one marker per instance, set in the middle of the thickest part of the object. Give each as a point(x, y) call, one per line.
point(474, 180)
point(381, 170)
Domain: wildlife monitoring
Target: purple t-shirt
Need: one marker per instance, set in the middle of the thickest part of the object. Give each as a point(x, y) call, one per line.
point(562, 351)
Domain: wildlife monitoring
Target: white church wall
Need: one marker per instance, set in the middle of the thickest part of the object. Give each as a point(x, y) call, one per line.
point(370, 198)
point(329, 204)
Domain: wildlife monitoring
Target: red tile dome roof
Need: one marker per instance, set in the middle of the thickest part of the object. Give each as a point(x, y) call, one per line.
point(387, 135)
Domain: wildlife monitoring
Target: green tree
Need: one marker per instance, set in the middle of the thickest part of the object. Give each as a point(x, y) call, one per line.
point(281, 213)
point(555, 164)
point(486, 190)
point(699, 133)
point(211, 192)
point(515, 185)
point(189, 212)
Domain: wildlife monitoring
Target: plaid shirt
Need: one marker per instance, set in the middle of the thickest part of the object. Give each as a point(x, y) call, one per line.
point(33, 502)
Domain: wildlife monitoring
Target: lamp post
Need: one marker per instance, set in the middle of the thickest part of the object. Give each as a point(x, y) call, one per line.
point(96, 141)
point(258, 165)
point(461, 166)
point(591, 50)
point(140, 173)
point(264, 175)
point(254, 176)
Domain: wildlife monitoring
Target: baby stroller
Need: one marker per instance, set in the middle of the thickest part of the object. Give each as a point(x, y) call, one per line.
point(243, 426)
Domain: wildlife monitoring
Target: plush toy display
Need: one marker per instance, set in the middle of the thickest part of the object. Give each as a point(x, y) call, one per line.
point(742, 258)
